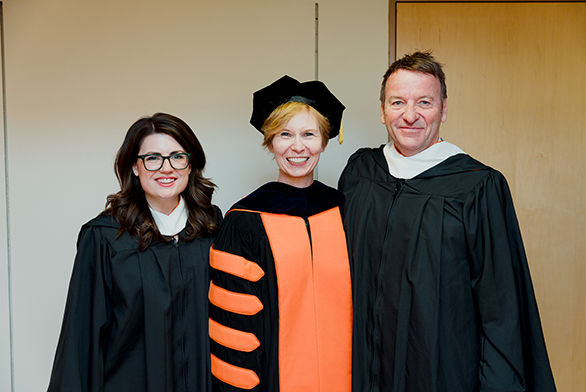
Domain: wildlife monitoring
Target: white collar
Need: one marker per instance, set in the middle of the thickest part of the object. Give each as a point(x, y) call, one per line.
point(172, 224)
point(404, 167)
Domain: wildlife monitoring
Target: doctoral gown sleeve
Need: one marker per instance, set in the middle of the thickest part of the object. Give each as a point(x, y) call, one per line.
point(241, 306)
point(79, 359)
point(512, 347)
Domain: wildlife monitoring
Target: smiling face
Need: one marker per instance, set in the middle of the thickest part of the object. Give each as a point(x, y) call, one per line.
point(297, 148)
point(162, 187)
point(413, 110)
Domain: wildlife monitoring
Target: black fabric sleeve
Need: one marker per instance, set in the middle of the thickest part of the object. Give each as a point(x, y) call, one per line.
point(243, 235)
point(345, 181)
point(79, 359)
point(512, 347)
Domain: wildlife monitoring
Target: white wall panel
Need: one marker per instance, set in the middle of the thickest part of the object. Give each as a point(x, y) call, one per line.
point(80, 72)
point(5, 383)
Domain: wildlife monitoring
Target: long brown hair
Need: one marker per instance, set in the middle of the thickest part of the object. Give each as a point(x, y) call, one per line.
point(129, 206)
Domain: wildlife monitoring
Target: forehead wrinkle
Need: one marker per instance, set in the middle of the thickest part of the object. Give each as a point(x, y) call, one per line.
point(412, 81)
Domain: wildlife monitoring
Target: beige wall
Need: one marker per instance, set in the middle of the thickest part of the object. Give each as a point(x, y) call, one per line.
point(80, 72)
point(4, 299)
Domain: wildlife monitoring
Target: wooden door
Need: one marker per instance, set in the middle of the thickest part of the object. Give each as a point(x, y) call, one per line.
point(516, 75)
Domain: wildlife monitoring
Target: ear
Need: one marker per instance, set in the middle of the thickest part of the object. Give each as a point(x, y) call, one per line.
point(135, 170)
point(382, 114)
point(445, 110)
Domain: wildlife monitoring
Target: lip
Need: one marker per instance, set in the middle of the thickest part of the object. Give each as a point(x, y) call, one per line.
point(410, 128)
point(301, 161)
point(166, 184)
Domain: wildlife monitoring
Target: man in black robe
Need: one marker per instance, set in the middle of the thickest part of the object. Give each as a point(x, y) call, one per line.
point(443, 299)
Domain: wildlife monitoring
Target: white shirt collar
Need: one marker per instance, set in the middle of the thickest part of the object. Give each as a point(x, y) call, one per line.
point(404, 167)
point(172, 224)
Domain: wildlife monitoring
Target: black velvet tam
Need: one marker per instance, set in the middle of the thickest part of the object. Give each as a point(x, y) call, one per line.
point(287, 89)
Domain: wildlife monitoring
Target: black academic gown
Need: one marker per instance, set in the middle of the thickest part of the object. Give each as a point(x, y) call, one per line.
point(243, 239)
point(443, 298)
point(134, 321)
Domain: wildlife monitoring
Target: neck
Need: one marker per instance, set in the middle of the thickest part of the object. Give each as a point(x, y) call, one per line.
point(164, 206)
point(297, 182)
point(410, 153)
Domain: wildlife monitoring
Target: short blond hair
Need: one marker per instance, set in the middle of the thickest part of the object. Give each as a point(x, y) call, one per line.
point(284, 113)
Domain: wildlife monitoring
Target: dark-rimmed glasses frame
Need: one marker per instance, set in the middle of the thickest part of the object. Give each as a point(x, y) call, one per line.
point(168, 157)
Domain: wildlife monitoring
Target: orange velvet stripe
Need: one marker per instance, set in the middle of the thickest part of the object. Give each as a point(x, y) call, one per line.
point(315, 302)
point(333, 300)
point(233, 338)
point(234, 302)
point(235, 265)
point(234, 375)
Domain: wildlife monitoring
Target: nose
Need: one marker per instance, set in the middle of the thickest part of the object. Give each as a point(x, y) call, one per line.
point(410, 114)
point(166, 168)
point(298, 145)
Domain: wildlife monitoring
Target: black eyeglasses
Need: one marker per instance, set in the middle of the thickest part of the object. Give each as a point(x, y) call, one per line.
point(153, 162)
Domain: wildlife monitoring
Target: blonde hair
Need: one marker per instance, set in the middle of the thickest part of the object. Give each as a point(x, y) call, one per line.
point(285, 112)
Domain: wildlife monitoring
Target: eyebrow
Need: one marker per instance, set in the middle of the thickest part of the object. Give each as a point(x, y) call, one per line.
point(430, 97)
point(305, 130)
point(158, 153)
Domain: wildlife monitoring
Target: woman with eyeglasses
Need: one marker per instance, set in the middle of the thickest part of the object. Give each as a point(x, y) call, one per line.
point(136, 317)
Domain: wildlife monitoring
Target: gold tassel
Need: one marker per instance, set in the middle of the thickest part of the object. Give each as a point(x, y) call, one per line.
point(341, 134)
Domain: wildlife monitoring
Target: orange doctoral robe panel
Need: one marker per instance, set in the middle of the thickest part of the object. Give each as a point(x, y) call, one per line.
point(297, 267)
